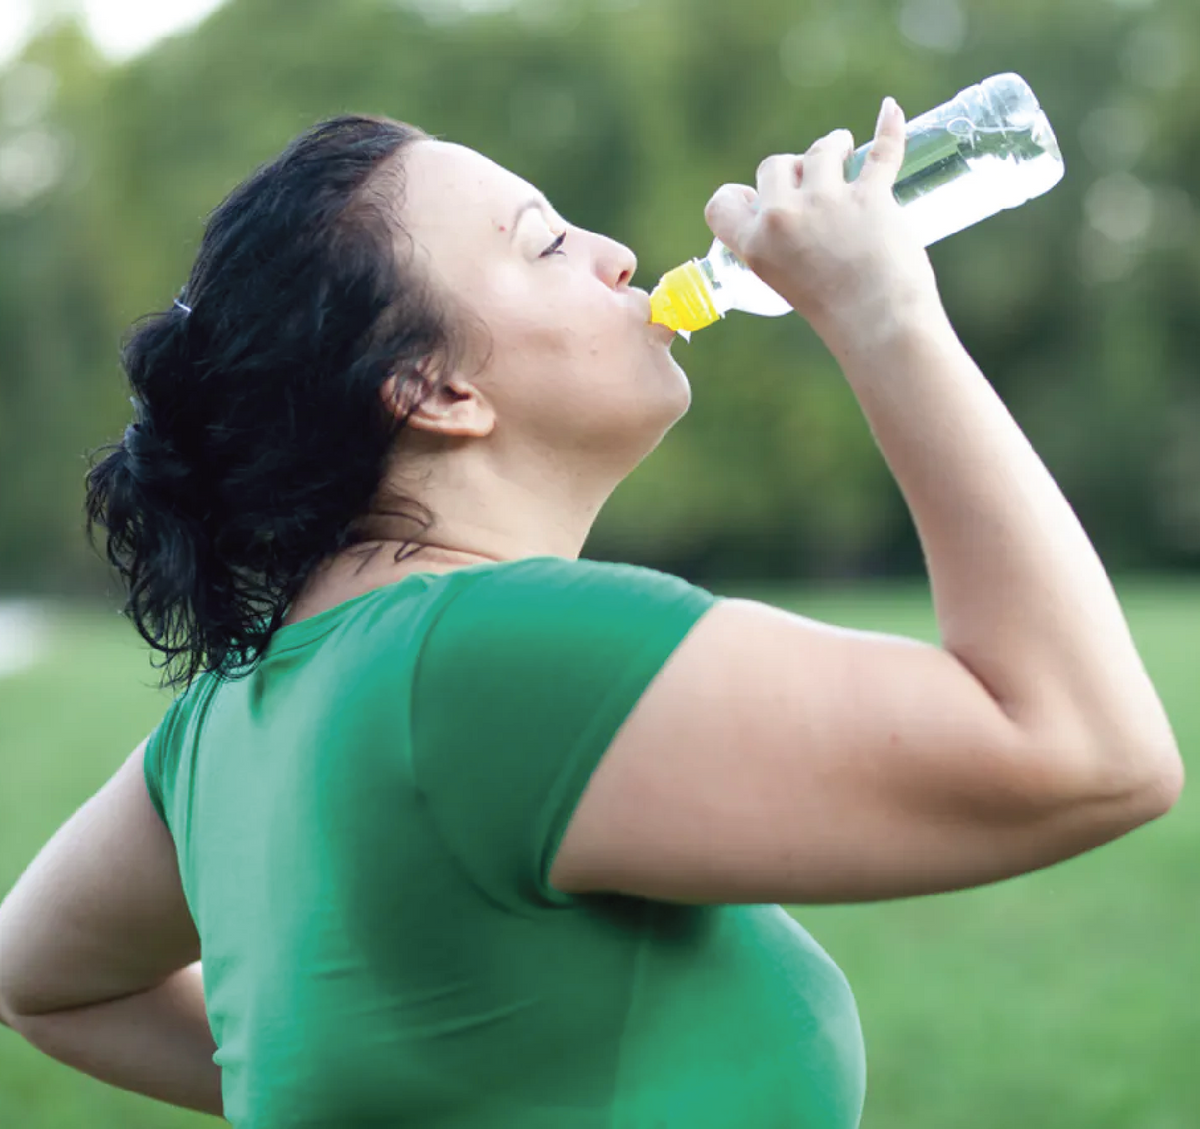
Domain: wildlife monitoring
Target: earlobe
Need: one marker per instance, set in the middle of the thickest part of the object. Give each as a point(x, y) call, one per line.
point(454, 408)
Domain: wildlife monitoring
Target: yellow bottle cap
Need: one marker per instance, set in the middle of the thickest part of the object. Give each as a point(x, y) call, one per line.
point(682, 300)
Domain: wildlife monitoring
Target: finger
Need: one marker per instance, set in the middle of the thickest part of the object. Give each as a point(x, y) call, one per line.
point(729, 212)
point(886, 155)
point(777, 176)
point(825, 161)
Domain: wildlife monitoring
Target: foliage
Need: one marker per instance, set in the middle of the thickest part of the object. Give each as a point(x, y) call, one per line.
point(1080, 306)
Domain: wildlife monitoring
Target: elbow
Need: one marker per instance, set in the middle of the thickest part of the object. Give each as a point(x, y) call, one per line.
point(1136, 754)
point(1161, 783)
point(1106, 788)
point(1155, 770)
point(1141, 783)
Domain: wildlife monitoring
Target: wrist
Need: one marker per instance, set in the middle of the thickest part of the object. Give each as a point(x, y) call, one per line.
point(877, 326)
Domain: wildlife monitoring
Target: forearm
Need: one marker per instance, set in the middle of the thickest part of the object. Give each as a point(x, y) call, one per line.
point(156, 1043)
point(1022, 599)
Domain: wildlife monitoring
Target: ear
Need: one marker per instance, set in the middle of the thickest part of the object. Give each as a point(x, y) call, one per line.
point(451, 406)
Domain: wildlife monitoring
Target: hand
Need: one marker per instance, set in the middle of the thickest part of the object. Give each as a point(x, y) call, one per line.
point(841, 253)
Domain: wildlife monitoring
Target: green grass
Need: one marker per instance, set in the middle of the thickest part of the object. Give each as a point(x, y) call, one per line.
point(65, 726)
point(1061, 999)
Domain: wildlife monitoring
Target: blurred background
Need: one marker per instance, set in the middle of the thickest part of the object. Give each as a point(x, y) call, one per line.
point(1056, 999)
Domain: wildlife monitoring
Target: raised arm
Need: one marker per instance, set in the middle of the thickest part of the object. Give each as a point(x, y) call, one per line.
point(778, 759)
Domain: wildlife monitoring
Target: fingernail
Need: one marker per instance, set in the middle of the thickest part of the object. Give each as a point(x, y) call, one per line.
point(888, 109)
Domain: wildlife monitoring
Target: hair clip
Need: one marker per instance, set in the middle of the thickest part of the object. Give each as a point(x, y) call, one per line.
point(185, 308)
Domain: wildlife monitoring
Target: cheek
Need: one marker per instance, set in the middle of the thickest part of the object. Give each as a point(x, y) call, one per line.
point(559, 387)
point(550, 321)
point(560, 344)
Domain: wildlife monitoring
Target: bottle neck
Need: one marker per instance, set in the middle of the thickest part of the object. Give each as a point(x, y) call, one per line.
point(685, 298)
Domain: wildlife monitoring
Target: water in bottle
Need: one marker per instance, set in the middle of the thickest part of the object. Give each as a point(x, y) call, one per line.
point(989, 148)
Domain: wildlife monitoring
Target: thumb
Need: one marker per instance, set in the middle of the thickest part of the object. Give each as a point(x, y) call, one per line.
point(730, 212)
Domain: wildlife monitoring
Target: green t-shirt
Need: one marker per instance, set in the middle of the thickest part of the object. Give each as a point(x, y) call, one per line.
point(365, 826)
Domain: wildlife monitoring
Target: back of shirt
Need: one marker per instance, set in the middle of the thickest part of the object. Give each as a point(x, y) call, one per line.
point(365, 826)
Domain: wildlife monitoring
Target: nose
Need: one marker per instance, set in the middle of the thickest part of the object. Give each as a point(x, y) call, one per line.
point(616, 263)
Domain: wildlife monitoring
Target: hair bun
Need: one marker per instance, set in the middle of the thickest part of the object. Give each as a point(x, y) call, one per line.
point(260, 444)
point(154, 462)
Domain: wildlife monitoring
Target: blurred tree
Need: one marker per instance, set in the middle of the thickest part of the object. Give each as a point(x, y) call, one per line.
point(54, 338)
point(629, 113)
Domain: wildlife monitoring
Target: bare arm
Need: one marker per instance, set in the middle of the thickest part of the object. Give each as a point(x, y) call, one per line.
point(777, 759)
point(99, 956)
point(1022, 599)
point(155, 1042)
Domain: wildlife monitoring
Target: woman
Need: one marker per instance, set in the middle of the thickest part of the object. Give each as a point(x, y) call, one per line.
point(469, 832)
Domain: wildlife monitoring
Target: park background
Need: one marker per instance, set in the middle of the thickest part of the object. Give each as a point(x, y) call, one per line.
point(1060, 999)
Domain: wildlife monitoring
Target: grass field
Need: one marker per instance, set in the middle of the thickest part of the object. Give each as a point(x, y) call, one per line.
point(1061, 1000)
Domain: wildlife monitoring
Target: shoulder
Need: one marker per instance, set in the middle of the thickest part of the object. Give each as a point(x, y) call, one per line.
point(558, 593)
point(551, 610)
point(555, 577)
point(161, 749)
point(183, 707)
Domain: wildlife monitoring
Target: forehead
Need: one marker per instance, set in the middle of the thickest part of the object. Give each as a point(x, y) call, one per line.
point(450, 189)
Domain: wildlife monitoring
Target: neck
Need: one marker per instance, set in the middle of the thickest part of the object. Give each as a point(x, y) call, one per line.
point(484, 513)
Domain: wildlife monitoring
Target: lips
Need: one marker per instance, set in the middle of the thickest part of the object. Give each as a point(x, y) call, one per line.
point(642, 300)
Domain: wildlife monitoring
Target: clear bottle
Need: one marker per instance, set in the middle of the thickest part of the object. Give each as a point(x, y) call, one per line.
point(989, 148)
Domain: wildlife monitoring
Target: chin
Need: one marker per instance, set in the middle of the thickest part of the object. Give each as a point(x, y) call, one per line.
point(670, 408)
point(681, 388)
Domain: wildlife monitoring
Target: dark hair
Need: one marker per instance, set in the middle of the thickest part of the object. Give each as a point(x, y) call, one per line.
point(260, 437)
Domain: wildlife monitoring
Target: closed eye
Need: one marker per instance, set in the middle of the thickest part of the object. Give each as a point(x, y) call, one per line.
point(553, 249)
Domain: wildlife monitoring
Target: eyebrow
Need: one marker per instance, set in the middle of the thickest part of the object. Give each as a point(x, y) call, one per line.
point(536, 202)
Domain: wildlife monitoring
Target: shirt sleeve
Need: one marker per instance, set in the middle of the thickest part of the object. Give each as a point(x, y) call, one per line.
point(160, 761)
point(153, 757)
point(520, 687)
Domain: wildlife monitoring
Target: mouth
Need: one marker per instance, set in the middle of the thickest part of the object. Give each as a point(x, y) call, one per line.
point(663, 332)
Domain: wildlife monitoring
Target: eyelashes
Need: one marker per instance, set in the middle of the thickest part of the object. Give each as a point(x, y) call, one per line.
point(555, 247)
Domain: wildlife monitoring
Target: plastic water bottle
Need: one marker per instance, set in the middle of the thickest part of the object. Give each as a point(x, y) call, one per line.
point(989, 148)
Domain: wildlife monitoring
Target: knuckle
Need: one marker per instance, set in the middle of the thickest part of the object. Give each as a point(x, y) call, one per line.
point(717, 199)
point(768, 163)
point(835, 140)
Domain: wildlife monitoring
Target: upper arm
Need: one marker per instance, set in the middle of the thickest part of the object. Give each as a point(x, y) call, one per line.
point(775, 759)
point(100, 913)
